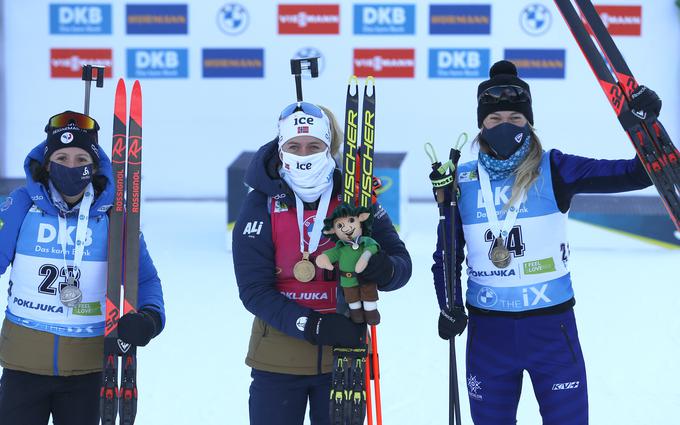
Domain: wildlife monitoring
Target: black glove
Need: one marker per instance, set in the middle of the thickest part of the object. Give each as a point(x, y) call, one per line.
point(452, 323)
point(333, 329)
point(138, 328)
point(379, 270)
point(644, 101)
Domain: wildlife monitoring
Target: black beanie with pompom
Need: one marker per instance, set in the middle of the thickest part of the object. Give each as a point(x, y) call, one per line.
point(503, 73)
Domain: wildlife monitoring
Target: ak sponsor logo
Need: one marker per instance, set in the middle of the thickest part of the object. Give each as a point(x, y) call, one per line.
point(384, 19)
point(538, 63)
point(80, 19)
point(233, 63)
point(68, 63)
point(566, 386)
point(157, 18)
point(535, 19)
point(157, 63)
point(459, 63)
point(309, 19)
point(460, 19)
point(385, 63)
point(621, 20)
point(233, 18)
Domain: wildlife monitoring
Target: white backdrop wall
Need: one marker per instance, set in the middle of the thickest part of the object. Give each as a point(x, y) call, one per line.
point(194, 127)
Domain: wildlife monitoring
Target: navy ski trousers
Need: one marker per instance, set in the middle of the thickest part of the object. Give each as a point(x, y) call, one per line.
point(501, 348)
point(281, 399)
point(29, 399)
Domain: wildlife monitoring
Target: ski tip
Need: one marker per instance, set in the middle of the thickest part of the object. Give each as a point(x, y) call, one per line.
point(353, 80)
point(136, 102)
point(120, 104)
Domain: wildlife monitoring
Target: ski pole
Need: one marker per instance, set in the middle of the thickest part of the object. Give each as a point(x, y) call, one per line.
point(375, 365)
point(87, 75)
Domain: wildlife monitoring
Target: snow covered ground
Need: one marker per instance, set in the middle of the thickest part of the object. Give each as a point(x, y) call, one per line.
point(628, 312)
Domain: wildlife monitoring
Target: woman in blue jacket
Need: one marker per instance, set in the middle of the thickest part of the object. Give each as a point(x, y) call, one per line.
point(54, 234)
point(512, 218)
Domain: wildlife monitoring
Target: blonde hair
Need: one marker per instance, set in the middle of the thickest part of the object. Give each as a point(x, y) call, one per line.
point(528, 170)
point(337, 136)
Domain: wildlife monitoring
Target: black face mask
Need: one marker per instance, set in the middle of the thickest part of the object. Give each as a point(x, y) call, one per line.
point(504, 139)
point(70, 181)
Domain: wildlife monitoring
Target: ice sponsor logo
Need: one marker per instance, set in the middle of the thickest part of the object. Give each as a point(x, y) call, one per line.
point(621, 20)
point(535, 19)
point(68, 63)
point(81, 19)
point(386, 63)
point(384, 19)
point(157, 63)
point(233, 18)
point(233, 63)
point(460, 19)
point(309, 19)
point(311, 52)
point(459, 63)
point(487, 297)
point(156, 18)
point(538, 63)
point(566, 386)
point(474, 386)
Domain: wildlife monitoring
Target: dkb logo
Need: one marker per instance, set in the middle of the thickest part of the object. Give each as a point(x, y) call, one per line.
point(157, 63)
point(80, 19)
point(384, 19)
point(458, 63)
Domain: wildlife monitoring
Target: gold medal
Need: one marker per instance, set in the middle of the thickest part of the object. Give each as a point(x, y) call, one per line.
point(500, 256)
point(304, 270)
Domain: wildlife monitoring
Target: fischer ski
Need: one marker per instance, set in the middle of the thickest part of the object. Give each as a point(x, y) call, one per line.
point(652, 143)
point(123, 250)
point(350, 388)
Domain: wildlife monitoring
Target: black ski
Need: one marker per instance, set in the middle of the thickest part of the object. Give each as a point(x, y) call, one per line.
point(123, 250)
point(110, 393)
point(652, 144)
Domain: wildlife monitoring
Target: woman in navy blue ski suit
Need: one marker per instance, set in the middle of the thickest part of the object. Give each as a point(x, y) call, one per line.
point(512, 218)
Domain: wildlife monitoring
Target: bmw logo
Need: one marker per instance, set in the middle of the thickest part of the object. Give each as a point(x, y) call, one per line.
point(233, 19)
point(487, 297)
point(535, 19)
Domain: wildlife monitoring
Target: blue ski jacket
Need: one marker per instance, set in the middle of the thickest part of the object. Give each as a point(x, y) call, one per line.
point(13, 213)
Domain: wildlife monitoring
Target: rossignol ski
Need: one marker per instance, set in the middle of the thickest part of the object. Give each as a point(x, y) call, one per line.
point(350, 387)
point(126, 159)
point(652, 143)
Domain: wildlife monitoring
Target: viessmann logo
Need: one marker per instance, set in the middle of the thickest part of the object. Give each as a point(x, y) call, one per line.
point(390, 63)
point(68, 63)
point(621, 20)
point(309, 19)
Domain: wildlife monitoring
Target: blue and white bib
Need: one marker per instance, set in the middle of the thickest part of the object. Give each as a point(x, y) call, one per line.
point(538, 276)
point(39, 272)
